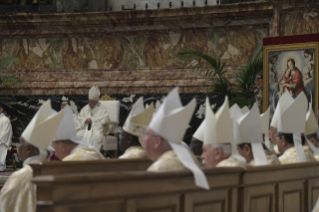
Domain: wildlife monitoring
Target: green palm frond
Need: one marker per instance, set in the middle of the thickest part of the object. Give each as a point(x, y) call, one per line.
point(246, 75)
point(214, 69)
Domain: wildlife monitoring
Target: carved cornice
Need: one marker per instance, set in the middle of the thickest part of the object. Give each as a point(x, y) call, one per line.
point(134, 22)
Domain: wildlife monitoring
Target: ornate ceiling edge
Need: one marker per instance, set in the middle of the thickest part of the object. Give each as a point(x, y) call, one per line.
point(108, 23)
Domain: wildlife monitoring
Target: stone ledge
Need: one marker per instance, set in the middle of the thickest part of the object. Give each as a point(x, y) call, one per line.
point(92, 24)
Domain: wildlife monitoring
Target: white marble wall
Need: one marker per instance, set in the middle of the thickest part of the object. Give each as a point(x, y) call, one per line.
point(152, 4)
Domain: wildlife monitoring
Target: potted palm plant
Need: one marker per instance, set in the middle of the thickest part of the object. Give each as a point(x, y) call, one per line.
point(242, 91)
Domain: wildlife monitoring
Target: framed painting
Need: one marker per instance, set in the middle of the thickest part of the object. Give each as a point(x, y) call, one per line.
point(292, 67)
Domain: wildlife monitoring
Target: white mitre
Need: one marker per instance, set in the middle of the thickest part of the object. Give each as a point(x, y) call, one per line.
point(138, 119)
point(42, 127)
point(251, 132)
point(171, 122)
point(264, 120)
point(219, 128)
point(311, 128)
point(311, 122)
point(237, 114)
point(199, 134)
point(232, 109)
point(291, 119)
point(284, 101)
point(66, 130)
point(94, 93)
point(245, 109)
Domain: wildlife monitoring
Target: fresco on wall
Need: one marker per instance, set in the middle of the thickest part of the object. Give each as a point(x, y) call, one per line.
point(301, 23)
point(130, 52)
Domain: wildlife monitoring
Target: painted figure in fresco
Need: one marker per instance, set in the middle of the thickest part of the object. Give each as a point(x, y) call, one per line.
point(258, 92)
point(308, 72)
point(309, 55)
point(273, 74)
point(309, 81)
point(292, 79)
point(273, 79)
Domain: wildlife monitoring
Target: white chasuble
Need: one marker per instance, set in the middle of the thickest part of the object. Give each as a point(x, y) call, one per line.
point(19, 193)
point(5, 139)
point(92, 133)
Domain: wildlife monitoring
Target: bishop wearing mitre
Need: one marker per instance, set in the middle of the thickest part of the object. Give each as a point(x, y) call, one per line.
point(290, 119)
point(18, 193)
point(250, 142)
point(92, 119)
point(163, 139)
point(133, 129)
point(68, 146)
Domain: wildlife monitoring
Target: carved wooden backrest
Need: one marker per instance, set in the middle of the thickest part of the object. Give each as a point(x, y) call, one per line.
point(289, 187)
point(107, 165)
point(139, 191)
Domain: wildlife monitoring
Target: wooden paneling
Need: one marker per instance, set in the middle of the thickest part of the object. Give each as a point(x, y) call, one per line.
point(99, 206)
point(260, 198)
point(313, 192)
point(141, 191)
point(284, 188)
point(167, 203)
point(68, 167)
point(217, 200)
point(279, 188)
point(292, 197)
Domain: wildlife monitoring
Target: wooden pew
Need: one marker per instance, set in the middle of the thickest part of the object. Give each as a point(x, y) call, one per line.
point(68, 167)
point(289, 187)
point(138, 191)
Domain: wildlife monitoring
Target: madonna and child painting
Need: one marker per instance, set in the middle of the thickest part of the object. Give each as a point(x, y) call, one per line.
point(292, 70)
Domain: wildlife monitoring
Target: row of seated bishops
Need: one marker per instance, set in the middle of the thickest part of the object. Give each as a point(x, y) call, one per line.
point(231, 137)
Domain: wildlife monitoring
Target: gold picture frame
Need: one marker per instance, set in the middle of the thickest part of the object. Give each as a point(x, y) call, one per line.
point(281, 53)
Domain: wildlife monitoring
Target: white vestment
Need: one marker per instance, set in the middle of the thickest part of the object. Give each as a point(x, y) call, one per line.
point(5, 139)
point(19, 193)
point(99, 117)
point(75, 117)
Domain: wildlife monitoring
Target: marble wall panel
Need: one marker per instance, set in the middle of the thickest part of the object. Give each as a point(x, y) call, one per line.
point(130, 52)
point(235, 47)
point(301, 23)
point(65, 53)
point(161, 50)
point(137, 62)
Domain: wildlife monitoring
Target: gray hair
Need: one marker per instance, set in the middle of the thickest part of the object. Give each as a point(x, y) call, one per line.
point(225, 147)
